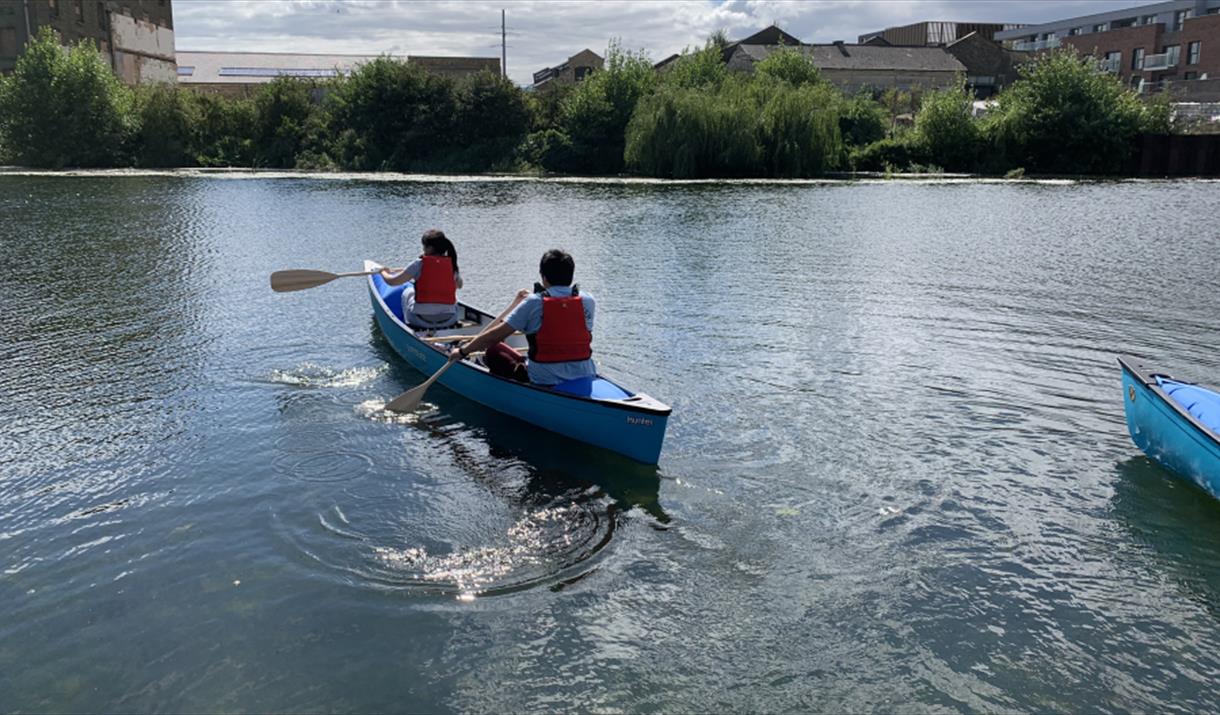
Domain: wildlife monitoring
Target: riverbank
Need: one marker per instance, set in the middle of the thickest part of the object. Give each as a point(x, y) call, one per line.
point(835, 178)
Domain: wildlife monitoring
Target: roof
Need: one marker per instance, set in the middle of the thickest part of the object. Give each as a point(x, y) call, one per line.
point(256, 67)
point(868, 57)
point(771, 35)
point(248, 67)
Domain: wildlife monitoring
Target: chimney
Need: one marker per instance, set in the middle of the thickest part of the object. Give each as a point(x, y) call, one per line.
point(842, 49)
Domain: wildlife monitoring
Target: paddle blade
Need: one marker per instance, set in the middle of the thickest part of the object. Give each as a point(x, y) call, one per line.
point(409, 400)
point(299, 279)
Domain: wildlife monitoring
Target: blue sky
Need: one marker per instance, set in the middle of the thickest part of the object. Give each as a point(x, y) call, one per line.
point(546, 32)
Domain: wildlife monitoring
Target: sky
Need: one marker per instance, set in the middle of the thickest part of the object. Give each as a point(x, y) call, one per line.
point(543, 33)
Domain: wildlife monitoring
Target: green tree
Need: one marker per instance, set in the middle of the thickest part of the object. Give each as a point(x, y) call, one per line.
point(947, 131)
point(390, 115)
point(799, 131)
point(282, 108)
point(169, 121)
point(491, 118)
point(1065, 116)
point(225, 131)
point(701, 69)
point(64, 109)
point(596, 112)
point(790, 65)
point(862, 120)
point(687, 133)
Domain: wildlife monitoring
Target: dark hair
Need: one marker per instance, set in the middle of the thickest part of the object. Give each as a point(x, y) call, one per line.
point(440, 245)
point(557, 267)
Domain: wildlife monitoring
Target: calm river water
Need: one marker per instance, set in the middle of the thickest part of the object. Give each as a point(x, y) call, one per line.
point(896, 477)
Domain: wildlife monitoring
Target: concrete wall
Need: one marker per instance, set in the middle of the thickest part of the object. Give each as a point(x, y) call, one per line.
point(142, 50)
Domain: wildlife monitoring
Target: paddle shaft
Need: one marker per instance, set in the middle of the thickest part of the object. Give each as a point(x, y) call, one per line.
point(410, 399)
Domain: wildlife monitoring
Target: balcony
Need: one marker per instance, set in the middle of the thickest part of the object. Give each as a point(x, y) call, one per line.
point(1157, 63)
point(1034, 45)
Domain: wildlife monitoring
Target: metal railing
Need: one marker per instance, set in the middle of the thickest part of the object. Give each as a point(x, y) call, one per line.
point(1029, 45)
point(1156, 63)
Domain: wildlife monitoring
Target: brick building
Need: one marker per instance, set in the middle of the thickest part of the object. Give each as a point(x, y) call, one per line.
point(135, 36)
point(1173, 43)
point(577, 67)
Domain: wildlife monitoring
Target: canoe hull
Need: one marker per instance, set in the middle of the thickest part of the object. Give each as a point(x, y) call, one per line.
point(636, 431)
point(1167, 433)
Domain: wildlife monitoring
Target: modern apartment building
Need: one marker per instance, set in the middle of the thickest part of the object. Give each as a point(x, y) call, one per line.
point(135, 36)
point(1175, 41)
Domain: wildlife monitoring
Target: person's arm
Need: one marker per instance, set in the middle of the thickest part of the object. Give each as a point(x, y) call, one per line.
point(493, 334)
point(403, 276)
point(484, 340)
point(457, 278)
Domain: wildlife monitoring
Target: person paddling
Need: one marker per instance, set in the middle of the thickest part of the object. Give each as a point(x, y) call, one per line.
point(431, 302)
point(557, 319)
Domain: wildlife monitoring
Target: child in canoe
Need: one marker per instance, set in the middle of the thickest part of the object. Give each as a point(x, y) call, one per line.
point(430, 302)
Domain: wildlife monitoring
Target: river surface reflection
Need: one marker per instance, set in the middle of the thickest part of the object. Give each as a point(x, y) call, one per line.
point(896, 476)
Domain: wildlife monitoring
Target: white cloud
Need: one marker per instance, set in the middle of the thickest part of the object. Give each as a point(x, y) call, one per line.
point(546, 32)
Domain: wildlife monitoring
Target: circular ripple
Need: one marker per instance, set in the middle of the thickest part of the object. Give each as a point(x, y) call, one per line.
point(334, 466)
point(547, 546)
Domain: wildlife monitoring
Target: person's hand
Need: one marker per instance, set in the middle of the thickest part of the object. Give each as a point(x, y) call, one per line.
point(386, 273)
point(522, 295)
point(455, 354)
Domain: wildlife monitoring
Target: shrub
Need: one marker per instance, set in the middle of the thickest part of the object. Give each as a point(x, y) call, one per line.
point(64, 109)
point(225, 131)
point(168, 120)
point(888, 155)
point(701, 69)
point(946, 129)
point(1064, 116)
point(862, 121)
point(596, 112)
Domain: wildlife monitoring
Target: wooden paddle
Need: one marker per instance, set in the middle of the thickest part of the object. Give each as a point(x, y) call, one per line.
point(409, 400)
point(300, 279)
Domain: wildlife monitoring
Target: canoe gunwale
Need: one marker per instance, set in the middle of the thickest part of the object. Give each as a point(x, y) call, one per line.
point(662, 411)
point(1147, 378)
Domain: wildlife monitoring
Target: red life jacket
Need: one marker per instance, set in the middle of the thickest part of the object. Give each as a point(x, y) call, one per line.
point(435, 283)
point(563, 337)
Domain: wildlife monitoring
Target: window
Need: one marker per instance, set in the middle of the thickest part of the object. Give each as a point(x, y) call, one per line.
point(1174, 53)
point(78, 8)
point(1100, 27)
point(101, 16)
point(1192, 53)
point(54, 5)
point(185, 70)
point(1125, 22)
point(1113, 61)
point(1137, 58)
point(1148, 20)
point(1190, 75)
point(1180, 17)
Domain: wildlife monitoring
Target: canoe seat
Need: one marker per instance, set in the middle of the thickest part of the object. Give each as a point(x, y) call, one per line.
point(594, 387)
point(1200, 402)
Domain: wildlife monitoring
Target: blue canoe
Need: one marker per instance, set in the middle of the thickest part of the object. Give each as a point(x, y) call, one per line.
point(592, 410)
point(1175, 423)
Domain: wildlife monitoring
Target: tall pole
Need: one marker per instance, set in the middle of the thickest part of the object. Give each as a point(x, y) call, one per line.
point(503, 47)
